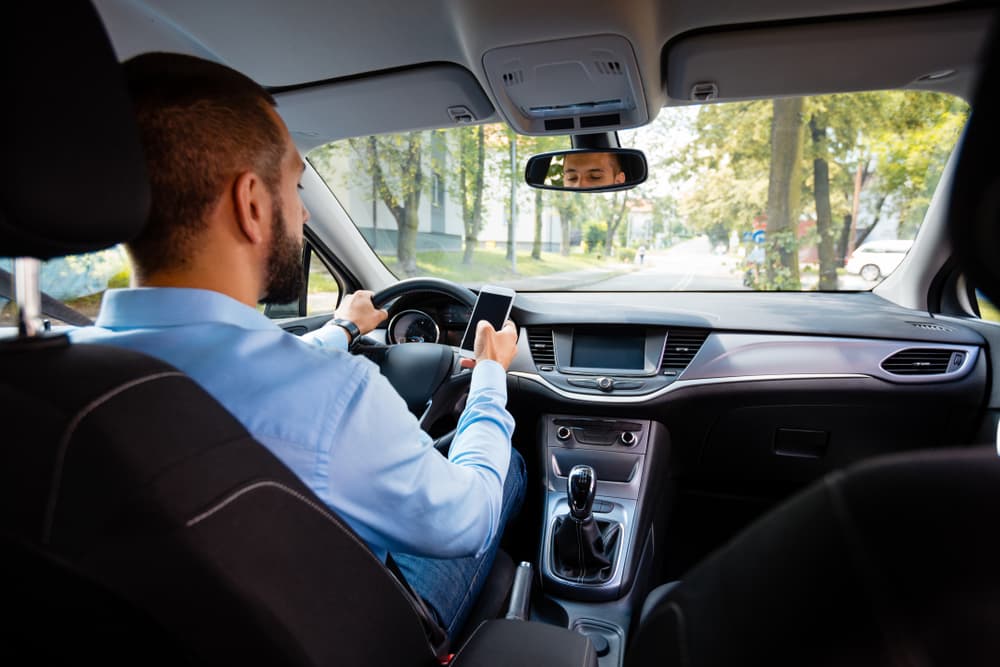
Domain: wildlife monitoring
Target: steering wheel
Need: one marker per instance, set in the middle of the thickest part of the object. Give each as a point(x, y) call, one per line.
point(428, 376)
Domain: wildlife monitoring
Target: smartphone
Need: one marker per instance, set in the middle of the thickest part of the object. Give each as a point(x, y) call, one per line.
point(493, 305)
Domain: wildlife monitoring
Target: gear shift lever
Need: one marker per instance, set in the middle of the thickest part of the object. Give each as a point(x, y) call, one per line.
point(582, 549)
point(581, 486)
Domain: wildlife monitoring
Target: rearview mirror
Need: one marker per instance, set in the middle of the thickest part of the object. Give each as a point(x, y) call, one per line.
point(601, 170)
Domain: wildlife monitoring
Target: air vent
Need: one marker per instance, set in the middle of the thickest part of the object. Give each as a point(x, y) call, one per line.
point(923, 361)
point(930, 327)
point(609, 67)
point(513, 78)
point(682, 345)
point(540, 343)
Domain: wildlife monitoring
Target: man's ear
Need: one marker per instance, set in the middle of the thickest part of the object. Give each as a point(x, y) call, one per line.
point(620, 177)
point(251, 204)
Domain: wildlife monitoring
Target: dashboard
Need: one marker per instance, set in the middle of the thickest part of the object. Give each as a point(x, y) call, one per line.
point(751, 386)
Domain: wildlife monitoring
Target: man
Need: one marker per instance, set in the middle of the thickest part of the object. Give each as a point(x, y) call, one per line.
point(592, 169)
point(225, 233)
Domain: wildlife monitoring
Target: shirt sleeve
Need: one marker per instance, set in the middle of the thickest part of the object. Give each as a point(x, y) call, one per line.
point(327, 336)
point(397, 491)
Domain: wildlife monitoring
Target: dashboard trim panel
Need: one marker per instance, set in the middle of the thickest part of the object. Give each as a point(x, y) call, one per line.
point(682, 384)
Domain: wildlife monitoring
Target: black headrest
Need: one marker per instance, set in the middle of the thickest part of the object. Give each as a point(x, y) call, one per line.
point(73, 176)
point(974, 205)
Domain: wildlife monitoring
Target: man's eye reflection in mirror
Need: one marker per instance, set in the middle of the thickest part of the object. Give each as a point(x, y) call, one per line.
point(592, 170)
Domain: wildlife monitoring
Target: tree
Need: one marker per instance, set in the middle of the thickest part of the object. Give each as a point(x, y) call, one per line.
point(471, 158)
point(394, 164)
point(783, 194)
point(616, 208)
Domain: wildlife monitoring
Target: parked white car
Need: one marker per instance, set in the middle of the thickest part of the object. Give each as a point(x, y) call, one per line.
point(877, 259)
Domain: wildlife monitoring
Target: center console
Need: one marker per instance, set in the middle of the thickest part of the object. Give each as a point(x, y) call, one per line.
point(596, 540)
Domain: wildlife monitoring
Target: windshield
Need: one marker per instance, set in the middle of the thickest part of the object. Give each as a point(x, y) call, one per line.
point(783, 194)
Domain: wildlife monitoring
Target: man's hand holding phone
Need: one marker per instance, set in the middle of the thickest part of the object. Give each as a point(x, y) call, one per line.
point(489, 334)
point(499, 346)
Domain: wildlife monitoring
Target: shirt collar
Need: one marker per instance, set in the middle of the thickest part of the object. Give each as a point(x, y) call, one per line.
point(148, 307)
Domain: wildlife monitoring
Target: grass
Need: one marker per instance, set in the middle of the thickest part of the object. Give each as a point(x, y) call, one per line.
point(492, 265)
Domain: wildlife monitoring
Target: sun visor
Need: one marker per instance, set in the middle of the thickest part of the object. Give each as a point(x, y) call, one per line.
point(585, 84)
point(933, 51)
point(423, 97)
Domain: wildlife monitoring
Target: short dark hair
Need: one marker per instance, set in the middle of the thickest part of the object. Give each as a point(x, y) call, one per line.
point(200, 124)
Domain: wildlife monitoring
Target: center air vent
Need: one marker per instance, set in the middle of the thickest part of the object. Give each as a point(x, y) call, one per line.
point(923, 361)
point(682, 345)
point(542, 349)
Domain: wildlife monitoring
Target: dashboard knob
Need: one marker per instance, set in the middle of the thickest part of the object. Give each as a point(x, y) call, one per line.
point(563, 433)
point(605, 383)
point(628, 438)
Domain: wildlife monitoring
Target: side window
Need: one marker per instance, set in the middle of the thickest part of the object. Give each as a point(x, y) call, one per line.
point(987, 310)
point(323, 288)
point(74, 285)
point(322, 292)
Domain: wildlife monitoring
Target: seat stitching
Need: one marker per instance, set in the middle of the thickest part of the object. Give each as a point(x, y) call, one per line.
point(323, 511)
point(903, 650)
point(50, 510)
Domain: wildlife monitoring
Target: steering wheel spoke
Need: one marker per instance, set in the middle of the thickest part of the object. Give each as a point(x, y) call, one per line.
point(428, 376)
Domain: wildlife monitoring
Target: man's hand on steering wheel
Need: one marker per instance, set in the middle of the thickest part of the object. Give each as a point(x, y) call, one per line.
point(358, 308)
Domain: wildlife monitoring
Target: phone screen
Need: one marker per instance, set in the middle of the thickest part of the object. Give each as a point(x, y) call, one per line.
point(491, 307)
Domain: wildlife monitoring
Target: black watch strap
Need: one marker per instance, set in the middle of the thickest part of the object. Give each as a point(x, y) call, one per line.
point(352, 329)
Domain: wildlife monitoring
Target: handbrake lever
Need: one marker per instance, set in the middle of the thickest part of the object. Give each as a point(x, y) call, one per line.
point(520, 593)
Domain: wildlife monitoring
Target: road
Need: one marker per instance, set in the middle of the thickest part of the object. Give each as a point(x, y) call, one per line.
point(689, 265)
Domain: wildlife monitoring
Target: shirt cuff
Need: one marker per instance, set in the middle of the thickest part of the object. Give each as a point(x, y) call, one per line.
point(489, 374)
point(328, 335)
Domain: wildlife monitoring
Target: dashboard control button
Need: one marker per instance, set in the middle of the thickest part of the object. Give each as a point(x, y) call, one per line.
point(546, 368)
point(628, 384)
point(577, 382)
point(628, 438)
point(602, 506)
point(563, 433)
point(605, 384)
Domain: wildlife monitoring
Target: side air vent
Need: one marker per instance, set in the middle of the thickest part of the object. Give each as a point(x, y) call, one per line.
point(682, 345)
point(923, 361)
point(542, 349)
point(513, 78)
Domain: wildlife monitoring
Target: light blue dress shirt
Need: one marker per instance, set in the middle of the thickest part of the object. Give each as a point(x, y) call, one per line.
point(331, 417)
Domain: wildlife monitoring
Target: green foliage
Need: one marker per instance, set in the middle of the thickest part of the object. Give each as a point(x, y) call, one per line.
point(626, 255)
point(595, 236)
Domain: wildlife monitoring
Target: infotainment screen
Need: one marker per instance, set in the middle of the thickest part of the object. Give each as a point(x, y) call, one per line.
point(616, 350)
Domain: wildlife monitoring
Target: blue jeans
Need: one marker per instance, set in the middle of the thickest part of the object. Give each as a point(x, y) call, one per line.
point(451, 585)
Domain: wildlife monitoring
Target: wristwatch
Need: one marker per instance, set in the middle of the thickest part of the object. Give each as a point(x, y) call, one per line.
point(350, 327)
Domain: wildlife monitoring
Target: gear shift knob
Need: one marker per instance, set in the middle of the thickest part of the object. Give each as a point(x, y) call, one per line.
point(581, 486)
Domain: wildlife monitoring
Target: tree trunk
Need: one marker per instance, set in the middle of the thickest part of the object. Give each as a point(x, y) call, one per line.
point(536, 245)
point(783, 192)
point(616, 220)
point(824, 214)
point(473, 215)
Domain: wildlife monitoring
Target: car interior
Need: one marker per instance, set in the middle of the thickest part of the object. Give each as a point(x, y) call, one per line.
point(767, 476)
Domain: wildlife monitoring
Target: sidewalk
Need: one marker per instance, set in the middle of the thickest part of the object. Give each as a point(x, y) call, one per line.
point(568, 280)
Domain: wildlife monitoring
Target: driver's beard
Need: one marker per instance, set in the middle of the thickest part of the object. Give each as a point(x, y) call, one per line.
point(285, 277)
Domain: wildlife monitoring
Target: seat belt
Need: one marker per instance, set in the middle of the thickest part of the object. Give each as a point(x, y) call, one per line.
point(51, 307)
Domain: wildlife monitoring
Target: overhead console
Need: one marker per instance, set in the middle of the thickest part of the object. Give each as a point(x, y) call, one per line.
point(579, 85)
